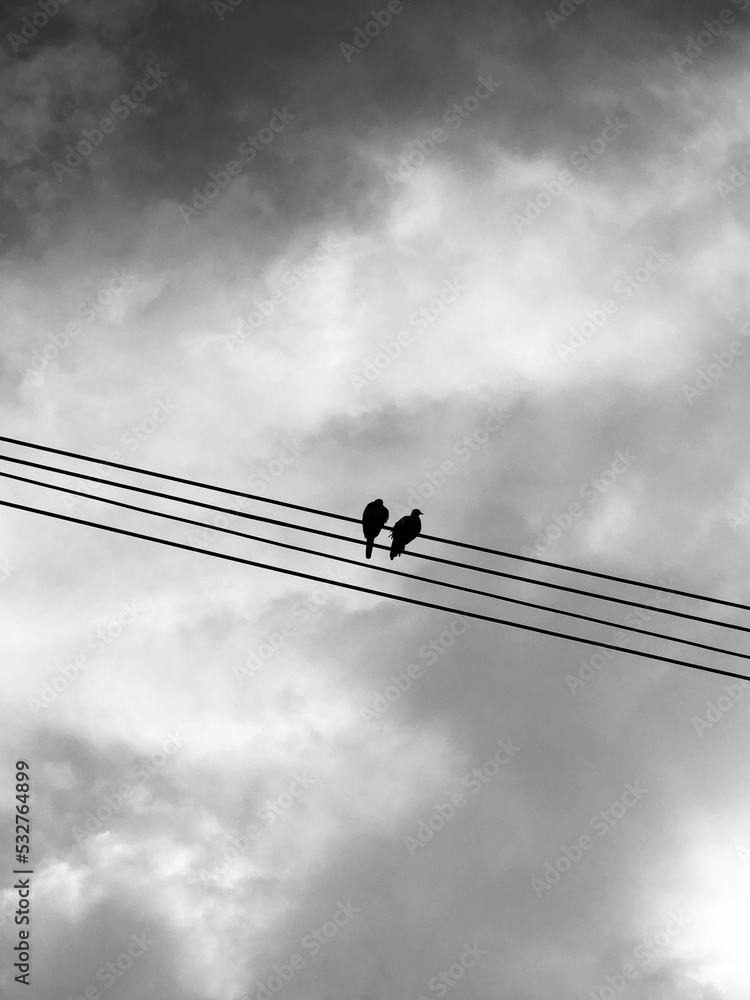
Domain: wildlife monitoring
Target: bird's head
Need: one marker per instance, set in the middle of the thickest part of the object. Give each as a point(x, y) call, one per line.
point(415, 512)
point(379, 501)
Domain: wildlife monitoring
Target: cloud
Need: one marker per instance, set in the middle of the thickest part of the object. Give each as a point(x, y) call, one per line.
point(236, 701)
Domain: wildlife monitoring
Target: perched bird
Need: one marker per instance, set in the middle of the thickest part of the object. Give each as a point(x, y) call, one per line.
point(404, 531)
point(374, 518)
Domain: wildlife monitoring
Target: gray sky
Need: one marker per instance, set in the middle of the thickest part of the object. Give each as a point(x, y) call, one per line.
point(493, 264)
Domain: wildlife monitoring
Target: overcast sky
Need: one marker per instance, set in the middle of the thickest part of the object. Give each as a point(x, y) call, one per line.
point(488, 259)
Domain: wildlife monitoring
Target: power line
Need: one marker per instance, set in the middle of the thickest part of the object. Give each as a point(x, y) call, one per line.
point(177, 479)
point(353, 541)
point(374, 593)
point(354, 520)
point(380, 569)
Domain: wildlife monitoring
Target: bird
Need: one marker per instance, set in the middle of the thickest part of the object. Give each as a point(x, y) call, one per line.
point(404, 531)
point(374, 518)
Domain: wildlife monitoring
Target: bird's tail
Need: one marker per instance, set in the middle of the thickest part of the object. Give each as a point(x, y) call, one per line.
point(370, 543)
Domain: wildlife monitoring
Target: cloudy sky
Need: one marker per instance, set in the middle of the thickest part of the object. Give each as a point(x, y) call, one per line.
point(484, 258)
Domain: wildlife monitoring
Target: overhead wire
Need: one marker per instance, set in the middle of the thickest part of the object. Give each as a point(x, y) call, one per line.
point(379, 569)
point(376, 593)
point(344, 517)
point(345, 538)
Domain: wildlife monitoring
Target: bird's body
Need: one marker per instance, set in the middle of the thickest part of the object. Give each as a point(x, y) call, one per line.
point(374, 518)
point(405, 530)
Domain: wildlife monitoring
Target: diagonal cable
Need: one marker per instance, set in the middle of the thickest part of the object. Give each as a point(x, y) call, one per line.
point(354, 520)
point(377, 569)
point(346, 538)
point(375, 593)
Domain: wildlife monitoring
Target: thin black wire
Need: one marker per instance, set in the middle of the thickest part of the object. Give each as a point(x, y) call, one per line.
point(378, 569)
point(354, 541)
point(354, 520)
point(374, 593)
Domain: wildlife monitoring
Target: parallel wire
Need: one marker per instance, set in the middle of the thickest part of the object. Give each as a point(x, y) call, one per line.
point(354, 520)
point(346, 538)
point(375, 593)
point(379, 569)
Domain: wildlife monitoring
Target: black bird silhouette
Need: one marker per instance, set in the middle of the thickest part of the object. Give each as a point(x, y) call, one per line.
point(374, 519)
point(405, 530)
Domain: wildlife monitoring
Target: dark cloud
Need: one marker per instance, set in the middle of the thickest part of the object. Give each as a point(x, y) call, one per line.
point(290, 334)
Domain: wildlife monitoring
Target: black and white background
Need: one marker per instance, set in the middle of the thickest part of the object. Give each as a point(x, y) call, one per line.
point(488, 259)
